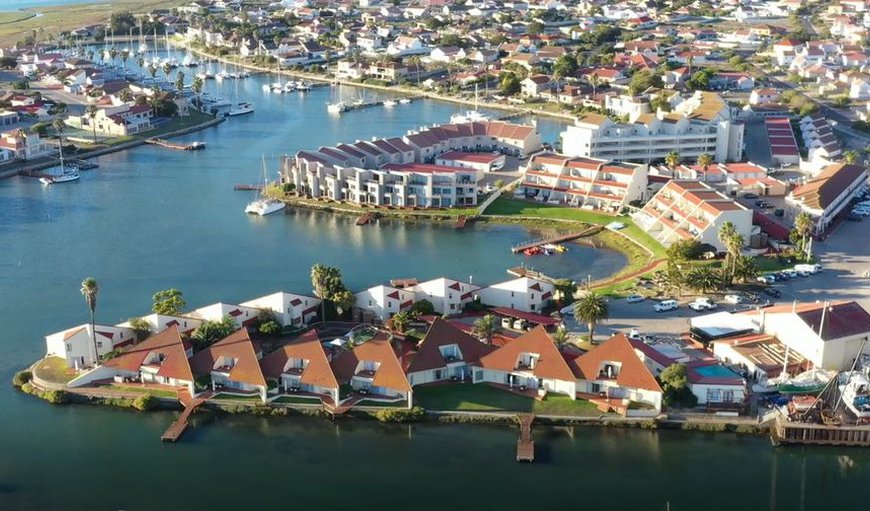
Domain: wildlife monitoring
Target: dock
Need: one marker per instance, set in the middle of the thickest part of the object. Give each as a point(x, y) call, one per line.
point(242, 186)
point(560, 238)
point(785, 432)
point(460, 222)
point(82, 164)
point(366, 218)
point(349, 107)
point(177, 428)
point(525, 444)
point(193, 146)
point(521, 271)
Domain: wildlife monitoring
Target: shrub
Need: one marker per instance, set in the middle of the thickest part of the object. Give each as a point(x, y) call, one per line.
point(21, 378)
point(27, 388)
point(56, 397)
point(145, 403)
point(270, 328)
point(397, 415)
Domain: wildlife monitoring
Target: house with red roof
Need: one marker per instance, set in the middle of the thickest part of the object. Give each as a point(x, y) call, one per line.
point(530, 362)
point(373, 369)
point(445, 353)
point(160, 322)
point(76, 344)
point(828, 193)
point(302, 367)
point(447, 296)
point(613, 369)
point(121, 120)
point(525, 294)
point(289, 308)
point(233, 365)
point(242, 315)
point(29, 147)
point(384, 301)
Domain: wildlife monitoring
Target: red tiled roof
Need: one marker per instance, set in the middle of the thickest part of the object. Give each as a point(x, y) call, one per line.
point(443, 333)
point(550, 362)
point(632, 373)
point(167, 343)
point(389, 374)
point(307, 347)
point(237, 346)
point(538, 319)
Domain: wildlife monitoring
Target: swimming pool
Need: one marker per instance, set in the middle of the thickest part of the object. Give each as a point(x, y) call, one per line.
point(715, 371)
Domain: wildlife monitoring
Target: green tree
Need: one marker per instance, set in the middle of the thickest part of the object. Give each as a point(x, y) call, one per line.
point(141, 327)
point(683, 250)
point(422, 307)
point(704, 161)
point(643, 80)
point(535, 28)
point(485, 327)
point(704, 279)
point(591, 309)
point(400, 321)
point(560, 337)
point(745, 268)
point(672, 159)
point(59, 126)
point(210, 332)
point(169, 302)
point(90, 290)
point(91, 112)
point(675, 384)
point(851, 157)
point(179, 85)
point(565, 289)
point(328, 286)
point(196, 87)
point(803, 226)
point(509, 84)
point(566, 65)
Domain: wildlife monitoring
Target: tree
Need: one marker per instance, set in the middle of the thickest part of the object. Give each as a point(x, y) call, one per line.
point(423, 307)
point(20, 136)
point(328, 286)
point(167, 68)
point(566, 65)
point(700, 80)
point(210, 332)
point(851, 157)
point(675, 384)
point(745, 268)
point(560, 337)
point(683, 250)
point(672, 159)
point(152, 70)
point(91, 112)
point(485, 327)
point(142, 328)
point(196, 87)
point(594, 81)
point(169, 302)
point(803, 226)
point(643, 80)
point(591, 309)
point(704, 161)
point(59, 126)
point(565, 289)
point(400, 321)
point(535, 28)
point(179, 85)
point(704, 279)
point(90, 289)
point(124, 56)
point(509, 84)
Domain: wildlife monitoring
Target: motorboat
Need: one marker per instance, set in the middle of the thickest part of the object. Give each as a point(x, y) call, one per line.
point(267, 87)
point(241, 108)
point(243, 74)
point(389, 103)
point(206, 75)
point(337, 107)
point(469, 116)
point(303, 86)
point(404, 101)
point(221, 76)
point(856, 396)
point(289, 87)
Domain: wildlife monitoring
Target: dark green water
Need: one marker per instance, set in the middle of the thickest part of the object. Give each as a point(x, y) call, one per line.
point(152, 218)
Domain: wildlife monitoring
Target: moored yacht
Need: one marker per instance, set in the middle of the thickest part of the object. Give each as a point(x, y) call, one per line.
point(241, 108)
point(264, 205)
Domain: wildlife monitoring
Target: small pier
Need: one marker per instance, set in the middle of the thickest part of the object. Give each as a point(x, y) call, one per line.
point(243, 187)
point(521, 271)
point(349, 107)
point(525, 444)
point(784, 432)
point(460, 222)
point(193, 146)
point(561, 238)
point(177, 428)
point(82, 164)
point(366, 218)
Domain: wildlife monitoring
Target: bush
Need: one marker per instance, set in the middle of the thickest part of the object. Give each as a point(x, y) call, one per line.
point(397, 415)
point(56, 397)
point(145, 403)
point(270, 328)
point(21, 378)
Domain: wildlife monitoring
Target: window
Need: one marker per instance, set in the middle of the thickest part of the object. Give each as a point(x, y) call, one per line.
point(99, 344)
point(532, 306)
point(68, 347)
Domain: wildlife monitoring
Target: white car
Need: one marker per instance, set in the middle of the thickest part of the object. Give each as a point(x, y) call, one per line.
point(666, 305)
point(766, 279)
point(734, 299)
point(702, 304)
point(634, 298)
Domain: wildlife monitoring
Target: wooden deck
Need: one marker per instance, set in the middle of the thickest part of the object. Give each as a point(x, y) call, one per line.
point(176, 429)
point(460, 222)
point(366, 218)
point(525, 444)
point(194, 146)
point(561, 238)
point(243, 186)
point(797, 433)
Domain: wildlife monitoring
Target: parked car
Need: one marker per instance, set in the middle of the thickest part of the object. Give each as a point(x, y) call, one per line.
point(854, 218)
point(772, 291)
point(666, 305)
point(635, 298)
point(702, 304)
point(766, 279)
point(791, 274)
point(733, 299)
point(750, 195)
point(810, 268)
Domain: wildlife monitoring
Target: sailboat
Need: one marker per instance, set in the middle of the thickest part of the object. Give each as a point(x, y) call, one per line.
point(65, 176)
point(470, 115)
point(263, 205)
point(239, 107)
point(337, 107)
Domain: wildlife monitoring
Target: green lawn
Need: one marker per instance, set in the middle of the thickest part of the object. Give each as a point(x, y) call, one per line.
point(484, 398)
point(292, 400)
point(143, 390)
point(233, 397)
point(381, 404)
point(54, 370)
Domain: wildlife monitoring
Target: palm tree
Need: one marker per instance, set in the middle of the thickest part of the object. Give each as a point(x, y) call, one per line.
point(704, 161)
point(152, 70)
point(485, 327)
point(59, 126)
point(91, 55)
point(196, 87)
point(91, 111)
point(745, 269)
point(320, 278)
point(124, 56)
point(167, 68)
point(179, 85)
point(850, 157)
point(591, 309)
point(400, 321)
point(803, 225)
point(672, 159)
point(20, 135)
point(560, 337)
point(140, 62)
point(113, 52)
point(594, 81)
point(704, 279)
point(90, 290)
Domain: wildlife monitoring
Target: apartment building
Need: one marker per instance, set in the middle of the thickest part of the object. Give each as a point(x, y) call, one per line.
point(829, 193)
point(701, 123)
point(579, 181)
point(692, 210)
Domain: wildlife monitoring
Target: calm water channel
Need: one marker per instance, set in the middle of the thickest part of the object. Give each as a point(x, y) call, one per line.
point(151, 218)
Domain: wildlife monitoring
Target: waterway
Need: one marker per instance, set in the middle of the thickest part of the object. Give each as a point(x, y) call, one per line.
point(151, 218)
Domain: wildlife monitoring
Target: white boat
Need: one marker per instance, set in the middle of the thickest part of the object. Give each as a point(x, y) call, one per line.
point(241, 108)
point(337, 108)
point(263, 205)
point(143, 48)
point(189, 61)
point(66, 175)
point(856, 396)
point(244, 74)
point(303, 86)
point(267, 87)
point(289, 87)
point(389, 103)
point(221, 76)
point(404, 101)
point(469, 116)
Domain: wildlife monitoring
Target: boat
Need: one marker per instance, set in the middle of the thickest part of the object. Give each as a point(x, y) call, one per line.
point(303, 86)
point(808, 382)
point(404, 101)
point(189, 61)
point(389, 103)
point(856, 396)
point(289, 87)
point(267, 87)
point(337, 108)
point(195, 146)
point(470, 115)
point(66, 174)
point(554, 248)
point(241, 108)
point(221, 76)
point(206, 75)
point(243, 74)
point(263, 205)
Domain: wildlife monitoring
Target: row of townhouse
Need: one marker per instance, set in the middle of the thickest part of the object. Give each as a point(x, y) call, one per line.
point(701, 123)
point(583, 182)
point(692, 210)
point(15, 144)
point(827, 194)
point(819, 139)
point(728, 177)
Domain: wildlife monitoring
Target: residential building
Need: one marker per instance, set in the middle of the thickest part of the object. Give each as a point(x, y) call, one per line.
point(233, 365)
point(76, 344)
point(827, 194)
point(25, 147)
point(445, 353)
point(701, 123)
point(160, 322)
point(583, 182)
point(531, 362)
point(525, 294)
point(373, 369)
point(241, 315)
point(714, 384)
point(692, 210)
point(481, 162)
point(447, 296)
point(302, 366)
point(290, 309)
point(116, 121)
point(384, 301)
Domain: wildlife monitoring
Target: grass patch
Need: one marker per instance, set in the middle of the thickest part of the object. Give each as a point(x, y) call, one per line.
point(234, 397)
point(484, 398)
point(143, 390)
point(382, 404)
point(54, 370)
point(291, 400)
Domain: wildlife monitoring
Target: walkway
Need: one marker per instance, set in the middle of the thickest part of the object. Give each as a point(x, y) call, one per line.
point(623, 278)
point(560, 238)
point(525, 445)
point(176, 429)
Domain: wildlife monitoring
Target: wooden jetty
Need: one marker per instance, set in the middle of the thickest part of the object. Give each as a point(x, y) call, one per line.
point(366, 218)
point(460, 222)
point(560, 238)
point(242, 186)
point(176, 429)
point(368, 104)
point(785, 432)
point(521, 271)
point(193, 146)
point(525, 444)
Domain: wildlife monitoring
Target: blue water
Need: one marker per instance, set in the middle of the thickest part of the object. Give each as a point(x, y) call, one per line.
point(14, 5)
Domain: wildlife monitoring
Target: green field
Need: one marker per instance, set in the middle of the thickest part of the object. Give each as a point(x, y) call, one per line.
point(54, 370)
point(484, 398)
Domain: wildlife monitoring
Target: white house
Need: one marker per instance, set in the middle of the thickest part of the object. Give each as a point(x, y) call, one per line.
point(448, 296)
point(242, 315)
point(160, 322)
point(525, 294)
point(289, 308)
point(713, 383)
point(446, 353)
point(374, 368)
point(76, 344)
point(233, 365)
point(827, 194)
point(384, 301)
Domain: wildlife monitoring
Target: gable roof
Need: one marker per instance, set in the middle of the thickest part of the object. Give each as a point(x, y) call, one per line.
point(379, 349)
point(307, 347)
point(238, 346)
point(167, 343)
point(550, 363)
point(842, 319)
point(443, 333)
point(821, 191)
point(633, 373)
